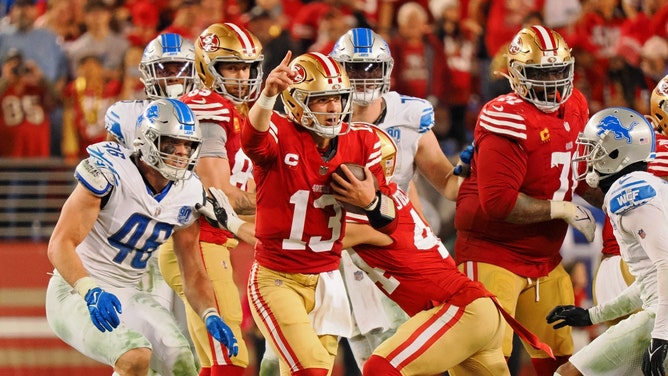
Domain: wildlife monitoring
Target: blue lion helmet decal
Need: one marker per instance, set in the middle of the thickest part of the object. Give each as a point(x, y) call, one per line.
point(613, 124)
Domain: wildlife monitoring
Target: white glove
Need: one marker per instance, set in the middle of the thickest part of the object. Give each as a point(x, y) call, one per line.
point(577, 216)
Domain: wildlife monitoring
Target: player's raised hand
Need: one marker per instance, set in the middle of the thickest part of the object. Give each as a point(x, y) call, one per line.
point(280, 78)
point(103, 308)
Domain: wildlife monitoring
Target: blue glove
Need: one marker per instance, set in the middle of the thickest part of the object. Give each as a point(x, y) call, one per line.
point(463, 167)
point(102, 307)
point(652, 362)
point(220, 331)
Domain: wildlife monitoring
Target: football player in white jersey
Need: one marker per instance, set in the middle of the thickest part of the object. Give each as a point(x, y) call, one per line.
point(167, 70)
point(615, 146)
point(366, 57)
point(124, 206)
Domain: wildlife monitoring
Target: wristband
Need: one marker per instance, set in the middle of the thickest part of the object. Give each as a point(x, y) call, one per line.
point(373, 203)
point(234, 223)
point(266, 102)
point(83, 285)
point(209, 312)
point(561, 209)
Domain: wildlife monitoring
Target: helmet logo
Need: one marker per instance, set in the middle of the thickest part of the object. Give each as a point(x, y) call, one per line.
point(615, 126)
point(551, 59)
point(516, 46)
point(662, 87)
point(300, 73)
point(209, 42)
point(152, 113)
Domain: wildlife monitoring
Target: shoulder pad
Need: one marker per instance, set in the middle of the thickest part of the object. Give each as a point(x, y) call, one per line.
point(120, 120)
point(630, 195)
point(416, 112)
point(500, 116)
point(92, 177)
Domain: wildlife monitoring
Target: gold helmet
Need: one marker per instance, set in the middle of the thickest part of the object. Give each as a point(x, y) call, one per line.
point(229, 43)
point(388, 152)
point(540, 67)
point(317, 75)
point(659, 106)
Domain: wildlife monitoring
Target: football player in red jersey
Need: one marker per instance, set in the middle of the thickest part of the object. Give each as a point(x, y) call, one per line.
point(413, 268)
point(228, 61)
point(296, 292)
point(513, 212)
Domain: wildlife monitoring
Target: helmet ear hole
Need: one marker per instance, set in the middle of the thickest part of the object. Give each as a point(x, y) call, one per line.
point(614, 154)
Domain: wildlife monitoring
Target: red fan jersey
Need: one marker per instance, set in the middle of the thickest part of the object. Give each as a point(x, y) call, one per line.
point(416, 270)
point(24, 123)
point(518, 149)
point(298, 223)
point(212, 108)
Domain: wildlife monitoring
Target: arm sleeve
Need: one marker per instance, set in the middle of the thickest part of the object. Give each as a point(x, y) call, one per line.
point(651, 221)
point(260, 147)
point(214, 139)
point(627, 302)
point(499, 187)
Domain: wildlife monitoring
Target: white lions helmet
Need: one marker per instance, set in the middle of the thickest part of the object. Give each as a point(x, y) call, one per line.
point(366, 58)
point(167, 66)
point(163, 119)
point(613, 139)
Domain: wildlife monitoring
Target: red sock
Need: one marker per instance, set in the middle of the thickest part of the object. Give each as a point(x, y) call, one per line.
point(547, 366)
point(227, 370)
point(379, 366)
point(311, 372)
point(205, 371)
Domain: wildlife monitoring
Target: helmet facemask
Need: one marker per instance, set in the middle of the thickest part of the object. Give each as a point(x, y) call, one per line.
point(546, 86)
point(309, 118)
point(368, 80)
point(239, 90)
point(168, 78)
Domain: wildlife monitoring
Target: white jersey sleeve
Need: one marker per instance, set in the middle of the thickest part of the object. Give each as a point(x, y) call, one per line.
point(134, 221)
point(120, 121)
point(638, 208)
point(406, 120)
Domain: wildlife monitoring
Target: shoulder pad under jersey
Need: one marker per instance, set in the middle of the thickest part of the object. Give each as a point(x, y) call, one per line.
point(120, 120)
point(630, 194)
point(503, 116)
point(92, 177)
point(209, 106)
point(407, 111)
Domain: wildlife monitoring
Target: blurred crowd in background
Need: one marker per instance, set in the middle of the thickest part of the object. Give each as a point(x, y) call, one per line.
point(76, 57)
